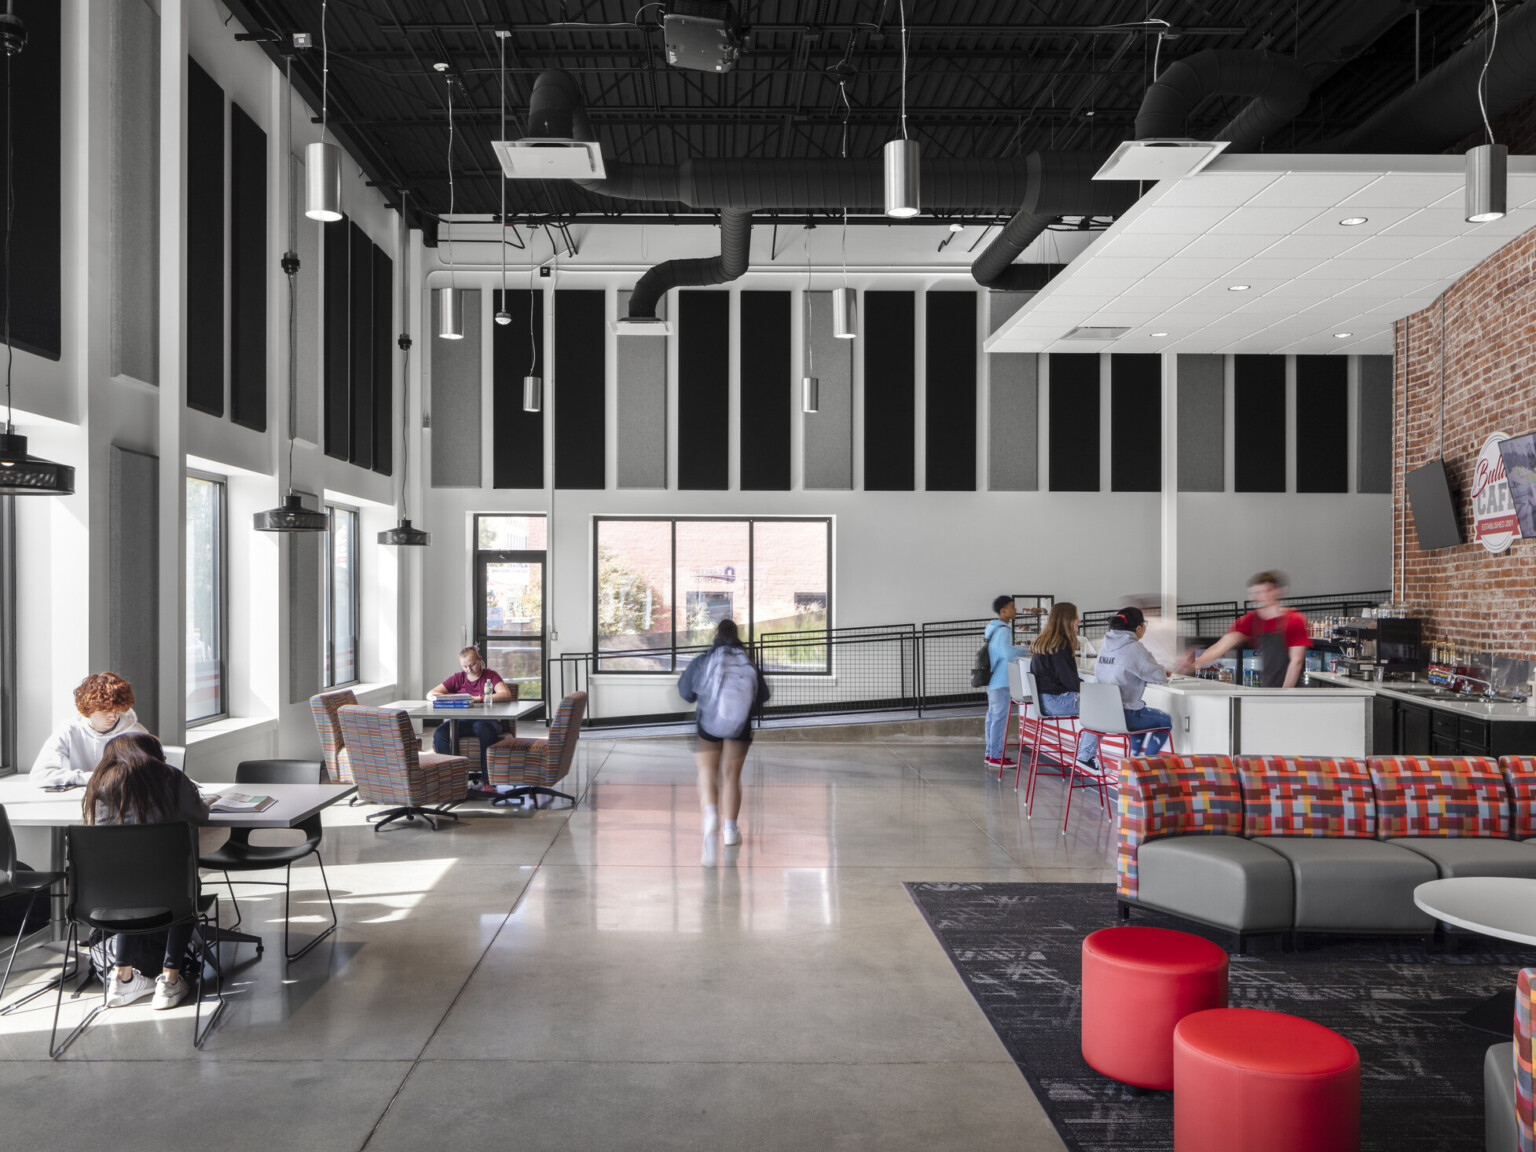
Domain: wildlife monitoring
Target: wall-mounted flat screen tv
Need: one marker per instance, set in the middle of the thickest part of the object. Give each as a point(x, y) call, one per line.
point(1519, 454)
point(1434, 506)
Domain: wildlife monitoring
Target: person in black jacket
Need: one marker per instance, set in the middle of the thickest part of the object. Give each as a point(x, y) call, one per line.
point(1053, 664)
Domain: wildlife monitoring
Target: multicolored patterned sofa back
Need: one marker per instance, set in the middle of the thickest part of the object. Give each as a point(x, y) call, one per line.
point(1439, 796)
point(1174, 796)
point(1520, 774)
point(1307, 796)
point(1522, 1069)
point(325, 708)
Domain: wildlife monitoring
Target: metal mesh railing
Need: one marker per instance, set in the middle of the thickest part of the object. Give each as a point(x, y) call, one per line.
point(1349, 604)
point(866, 670)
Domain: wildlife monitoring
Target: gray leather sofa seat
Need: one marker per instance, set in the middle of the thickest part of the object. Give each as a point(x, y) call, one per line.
point(1474, 855)
point(1354, 885)
point(1502, 1124)
point(1224, 880)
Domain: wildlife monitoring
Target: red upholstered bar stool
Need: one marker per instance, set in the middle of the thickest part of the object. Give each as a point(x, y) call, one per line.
point(1138, 983)
point(1263, 1082)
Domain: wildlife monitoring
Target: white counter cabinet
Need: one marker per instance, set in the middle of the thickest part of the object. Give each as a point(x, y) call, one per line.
point(1213, 718)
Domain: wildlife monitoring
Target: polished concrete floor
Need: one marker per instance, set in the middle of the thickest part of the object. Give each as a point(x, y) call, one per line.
point(581, 980)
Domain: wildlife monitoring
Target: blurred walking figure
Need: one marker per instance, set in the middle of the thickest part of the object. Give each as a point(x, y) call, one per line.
point(1278, 632)
point(728, 687)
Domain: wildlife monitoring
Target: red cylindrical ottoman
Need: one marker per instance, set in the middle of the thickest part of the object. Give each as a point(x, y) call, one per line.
point(1137, 984)
point(1263, 1082)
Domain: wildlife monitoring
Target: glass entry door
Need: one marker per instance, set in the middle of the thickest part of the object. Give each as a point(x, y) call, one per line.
point(509, 618)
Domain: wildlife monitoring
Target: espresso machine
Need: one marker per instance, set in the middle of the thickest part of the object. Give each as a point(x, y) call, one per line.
point(1378, 648)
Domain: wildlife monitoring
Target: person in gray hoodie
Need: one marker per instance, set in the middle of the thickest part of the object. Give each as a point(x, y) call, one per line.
point(1124, 662)
point(104, 702)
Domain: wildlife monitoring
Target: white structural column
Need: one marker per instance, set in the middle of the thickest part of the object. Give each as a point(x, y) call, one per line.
point(173, 364)
point(1170, 502)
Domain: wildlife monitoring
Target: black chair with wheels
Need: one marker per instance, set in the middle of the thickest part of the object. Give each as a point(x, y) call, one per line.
point(15, 881)
point(238, 854)
point(136, 879)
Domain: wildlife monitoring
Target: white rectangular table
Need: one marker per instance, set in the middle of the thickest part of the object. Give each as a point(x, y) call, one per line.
point(507, 710)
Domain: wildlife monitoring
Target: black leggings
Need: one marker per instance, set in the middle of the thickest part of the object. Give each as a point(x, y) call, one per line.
point(152, 951)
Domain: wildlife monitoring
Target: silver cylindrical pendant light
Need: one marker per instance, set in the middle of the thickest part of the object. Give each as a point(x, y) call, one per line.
point(844, 322)
point(902, 163)
point(450, 324)
point(322, 181)
point(533, 394)
point(1487, 166)
point(810, 394)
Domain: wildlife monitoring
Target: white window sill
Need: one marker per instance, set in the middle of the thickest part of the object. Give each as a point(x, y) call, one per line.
point(229, 726)
point(372, 694)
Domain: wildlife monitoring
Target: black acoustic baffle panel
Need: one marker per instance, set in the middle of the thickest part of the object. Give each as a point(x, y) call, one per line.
point(703, 390)
point(517, 350)
point(360, 369)
point(247, 271)
point(1258, 414)
point(580, 366)
point(384, 430)
point(336, 303)
point(890, 392)
point(1073, 440)
point(949, 430)
point(1135, 422)
point(205, 242)
point(1322, 424)
point(767, 391)
point(36, 253)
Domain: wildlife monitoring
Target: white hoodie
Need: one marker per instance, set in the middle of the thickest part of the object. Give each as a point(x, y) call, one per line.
point(71, 754)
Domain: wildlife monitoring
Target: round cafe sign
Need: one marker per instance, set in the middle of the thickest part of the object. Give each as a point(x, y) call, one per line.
point(1493, 511)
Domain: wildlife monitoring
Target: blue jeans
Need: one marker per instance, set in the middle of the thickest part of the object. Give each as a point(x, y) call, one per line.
point(1066, 704)
point(485, 731)
point(997, 721)
point(1147, 718)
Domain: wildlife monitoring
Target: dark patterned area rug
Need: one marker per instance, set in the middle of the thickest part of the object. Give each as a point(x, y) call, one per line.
point(1018, 949)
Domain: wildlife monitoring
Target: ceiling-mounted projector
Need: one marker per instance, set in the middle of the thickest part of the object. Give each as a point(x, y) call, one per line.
point(701, 35)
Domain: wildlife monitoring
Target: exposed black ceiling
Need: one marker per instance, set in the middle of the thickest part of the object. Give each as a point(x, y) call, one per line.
point(987, 78)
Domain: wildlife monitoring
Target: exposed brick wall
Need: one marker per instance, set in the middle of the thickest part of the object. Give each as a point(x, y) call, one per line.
point(1468, 595)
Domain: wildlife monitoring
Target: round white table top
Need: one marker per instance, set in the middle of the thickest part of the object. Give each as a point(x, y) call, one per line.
point(1502, 906)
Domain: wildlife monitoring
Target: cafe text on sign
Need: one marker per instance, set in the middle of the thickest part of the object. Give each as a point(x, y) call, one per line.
point(1494, 525)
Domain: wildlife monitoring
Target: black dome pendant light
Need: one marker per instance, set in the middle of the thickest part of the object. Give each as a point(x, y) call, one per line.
point(21, 474)
point(404, 534)
point(291, 515)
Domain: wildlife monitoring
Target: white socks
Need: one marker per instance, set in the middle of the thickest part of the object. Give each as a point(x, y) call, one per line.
point(730, 834)
point(711, 819)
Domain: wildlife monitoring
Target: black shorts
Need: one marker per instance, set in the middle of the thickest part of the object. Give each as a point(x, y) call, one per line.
point(745, 736)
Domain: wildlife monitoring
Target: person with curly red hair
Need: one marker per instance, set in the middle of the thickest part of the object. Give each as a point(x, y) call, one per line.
point(104, 701)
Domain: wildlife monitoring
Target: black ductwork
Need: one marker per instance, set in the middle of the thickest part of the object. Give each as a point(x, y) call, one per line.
point(556, 110)
point(731, 264)
point(1442, 108)
point(1278, 85)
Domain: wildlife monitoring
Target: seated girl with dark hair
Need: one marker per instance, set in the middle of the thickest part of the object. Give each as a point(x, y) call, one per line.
point(1125, 662)
point(134, 785)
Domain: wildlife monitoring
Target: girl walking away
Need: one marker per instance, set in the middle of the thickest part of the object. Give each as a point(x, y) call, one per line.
point(134, 785)
point(727, 687)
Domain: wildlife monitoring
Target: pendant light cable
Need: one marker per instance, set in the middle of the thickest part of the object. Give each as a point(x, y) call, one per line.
point(449, 240)
point(501, 43)
point(325, 73)
point(533, 347)
point(810, 345)
point(10, 212)
point(902, 4)
point(1482, 77)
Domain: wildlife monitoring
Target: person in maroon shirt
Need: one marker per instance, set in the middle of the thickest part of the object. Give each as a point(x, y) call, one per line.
point(474, 678)
point(1278, 633)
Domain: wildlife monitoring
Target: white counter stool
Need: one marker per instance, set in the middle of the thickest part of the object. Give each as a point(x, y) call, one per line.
point(1102, 714)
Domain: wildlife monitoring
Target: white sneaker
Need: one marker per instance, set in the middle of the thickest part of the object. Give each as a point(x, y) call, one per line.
point(121, 992)
point(168, 995)
point(730, 834)
point(711, 823)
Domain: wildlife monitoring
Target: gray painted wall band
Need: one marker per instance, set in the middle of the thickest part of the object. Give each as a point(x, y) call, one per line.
point(642, 431)
point(307, 310)
point(1375, 425)
point(133, 594)
point(304, 611)
point(1013, 406)
point(828, 460)
point(456, 372)
point(1202, 423)
point(133, 167)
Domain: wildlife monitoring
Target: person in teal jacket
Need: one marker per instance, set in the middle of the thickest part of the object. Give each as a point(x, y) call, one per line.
point(1002, 649)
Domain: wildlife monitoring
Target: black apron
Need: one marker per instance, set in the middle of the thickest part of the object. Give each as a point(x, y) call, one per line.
point(1274, 656)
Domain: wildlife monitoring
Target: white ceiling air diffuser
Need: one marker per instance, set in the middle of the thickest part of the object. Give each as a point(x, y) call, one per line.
point(1159, 159)
point(640, 326)
point(1082, 333)
point(533, 158)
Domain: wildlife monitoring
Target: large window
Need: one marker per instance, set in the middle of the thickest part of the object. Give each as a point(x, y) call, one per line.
point(338, 595)
point(663, 585)
point(206, 685)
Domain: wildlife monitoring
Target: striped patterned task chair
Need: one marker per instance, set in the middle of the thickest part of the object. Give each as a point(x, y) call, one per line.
point(326, 709)
point(532, 766)
point(389, 769)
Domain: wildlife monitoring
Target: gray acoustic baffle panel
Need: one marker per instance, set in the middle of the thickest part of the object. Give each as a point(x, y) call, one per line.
point(304, 621)
point(642, 405)
point(456, 419)
point(307, 308)
point(828, 448)
point(1375, 425)
point(133, 594)
point(1202, 423)
point(133, 188)
point(1013, 406)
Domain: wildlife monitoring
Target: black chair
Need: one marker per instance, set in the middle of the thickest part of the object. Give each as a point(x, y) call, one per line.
point(238, 854)
point(16, 881)
point(136, 879)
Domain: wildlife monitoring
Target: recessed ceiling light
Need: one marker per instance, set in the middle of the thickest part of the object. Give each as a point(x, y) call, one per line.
point(1351, 221)
point(1159, 333)
point(1238, 287)
point(1342, 335)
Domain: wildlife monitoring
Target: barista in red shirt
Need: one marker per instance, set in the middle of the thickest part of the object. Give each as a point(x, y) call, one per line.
point(1278, 633)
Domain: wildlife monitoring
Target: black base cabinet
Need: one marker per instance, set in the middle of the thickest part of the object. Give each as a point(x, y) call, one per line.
point(1402, 729)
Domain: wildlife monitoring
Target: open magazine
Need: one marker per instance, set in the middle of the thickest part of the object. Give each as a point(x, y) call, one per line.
point(242, 802)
